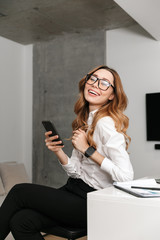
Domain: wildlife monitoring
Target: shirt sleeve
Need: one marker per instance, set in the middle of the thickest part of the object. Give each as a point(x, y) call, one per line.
point(73, 167)
point(116, 162)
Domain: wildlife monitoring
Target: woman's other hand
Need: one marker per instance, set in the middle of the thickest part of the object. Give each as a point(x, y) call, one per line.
point(79, 140)
point(52, 145)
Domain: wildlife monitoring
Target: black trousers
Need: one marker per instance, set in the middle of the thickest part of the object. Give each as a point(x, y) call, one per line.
point(29, 208)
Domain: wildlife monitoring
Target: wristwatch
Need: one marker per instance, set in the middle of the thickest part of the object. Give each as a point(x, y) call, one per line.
point(89, 151)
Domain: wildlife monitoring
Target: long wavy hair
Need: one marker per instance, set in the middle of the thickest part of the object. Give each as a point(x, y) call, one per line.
point(113, 108)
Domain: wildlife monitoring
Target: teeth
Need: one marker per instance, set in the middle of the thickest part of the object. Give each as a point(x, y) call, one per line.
point(93, 92)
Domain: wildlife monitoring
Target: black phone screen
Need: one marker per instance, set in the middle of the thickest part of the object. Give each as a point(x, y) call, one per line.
point(49, 126)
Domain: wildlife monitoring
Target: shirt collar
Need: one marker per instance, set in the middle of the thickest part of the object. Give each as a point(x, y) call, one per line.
point(91, 114)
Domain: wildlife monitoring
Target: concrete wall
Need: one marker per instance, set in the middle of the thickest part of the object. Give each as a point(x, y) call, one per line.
point(58, 66)
point(14, 59)
point(136, 56)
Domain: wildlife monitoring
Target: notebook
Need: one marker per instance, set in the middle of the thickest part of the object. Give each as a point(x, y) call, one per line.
point(145, 188)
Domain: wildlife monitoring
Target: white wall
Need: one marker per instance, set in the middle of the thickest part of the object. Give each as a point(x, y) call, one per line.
point(15, 102)
point(136, 57)
point(140, 12)
point(27, 107)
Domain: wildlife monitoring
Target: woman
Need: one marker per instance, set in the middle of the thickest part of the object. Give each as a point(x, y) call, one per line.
point(99, 157)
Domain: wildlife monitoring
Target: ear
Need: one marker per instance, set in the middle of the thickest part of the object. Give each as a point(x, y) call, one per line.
point(111, 97)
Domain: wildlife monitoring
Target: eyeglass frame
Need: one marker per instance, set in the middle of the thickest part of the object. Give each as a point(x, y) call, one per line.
point(98, 79)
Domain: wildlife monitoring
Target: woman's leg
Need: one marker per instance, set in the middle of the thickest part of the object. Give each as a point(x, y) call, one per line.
point(26, 224)
point(61, 206)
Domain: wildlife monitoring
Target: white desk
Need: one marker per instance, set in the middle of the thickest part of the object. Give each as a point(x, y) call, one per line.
point(116, 215)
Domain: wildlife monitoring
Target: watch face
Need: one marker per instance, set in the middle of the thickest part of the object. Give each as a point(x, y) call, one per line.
point(89, 151)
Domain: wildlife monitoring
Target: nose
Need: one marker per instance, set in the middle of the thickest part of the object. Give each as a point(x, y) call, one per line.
point(96, 84)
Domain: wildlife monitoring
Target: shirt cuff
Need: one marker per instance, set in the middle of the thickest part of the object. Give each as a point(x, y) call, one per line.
point(107, 165)
point(66, 166)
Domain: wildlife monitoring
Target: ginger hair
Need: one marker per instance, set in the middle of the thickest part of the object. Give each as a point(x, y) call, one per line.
point(113, 108)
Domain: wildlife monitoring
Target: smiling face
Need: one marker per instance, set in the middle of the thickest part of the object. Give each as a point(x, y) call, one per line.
point(95, 96)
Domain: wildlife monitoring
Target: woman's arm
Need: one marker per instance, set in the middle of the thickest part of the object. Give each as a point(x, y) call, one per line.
point(116, 162)
point(79, 141)
point(70, 165)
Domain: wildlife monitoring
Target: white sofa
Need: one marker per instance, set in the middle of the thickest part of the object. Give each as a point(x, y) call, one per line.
point(11, 173)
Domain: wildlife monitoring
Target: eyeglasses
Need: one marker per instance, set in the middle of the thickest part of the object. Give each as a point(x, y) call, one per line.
point(102, 84)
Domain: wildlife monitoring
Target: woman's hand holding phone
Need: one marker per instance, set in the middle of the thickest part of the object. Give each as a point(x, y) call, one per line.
point(54, 142)
point(54, 146)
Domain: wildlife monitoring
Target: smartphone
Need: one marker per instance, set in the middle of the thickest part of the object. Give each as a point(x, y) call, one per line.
point(49, 126)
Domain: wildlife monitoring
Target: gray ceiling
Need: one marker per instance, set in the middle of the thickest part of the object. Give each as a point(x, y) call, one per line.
point(29, 21)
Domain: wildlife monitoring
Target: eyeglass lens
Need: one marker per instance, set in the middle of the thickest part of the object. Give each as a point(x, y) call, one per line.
point(103, 84)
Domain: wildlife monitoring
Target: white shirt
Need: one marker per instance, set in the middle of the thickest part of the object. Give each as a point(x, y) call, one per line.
point(116, 165)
